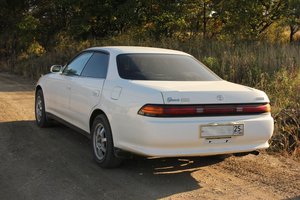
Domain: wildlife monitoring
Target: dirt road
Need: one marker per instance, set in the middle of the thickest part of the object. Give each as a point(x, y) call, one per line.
point(56, 163)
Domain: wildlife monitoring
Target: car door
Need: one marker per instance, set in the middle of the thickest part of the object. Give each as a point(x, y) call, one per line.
point(86, 90)
point(55, 92)
point(61, 87)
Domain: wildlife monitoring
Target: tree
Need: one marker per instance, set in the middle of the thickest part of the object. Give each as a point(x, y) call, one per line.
point(293, 17)
point(11, 14)
point(245, 19)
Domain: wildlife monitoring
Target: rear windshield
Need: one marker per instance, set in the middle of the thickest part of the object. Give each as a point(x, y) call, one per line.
point(163, 67)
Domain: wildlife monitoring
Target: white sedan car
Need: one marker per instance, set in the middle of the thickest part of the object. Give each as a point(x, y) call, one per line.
point(152, 102)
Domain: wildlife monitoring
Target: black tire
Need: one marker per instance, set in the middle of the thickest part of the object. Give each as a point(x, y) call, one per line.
point(102, 143)
point(39, 108)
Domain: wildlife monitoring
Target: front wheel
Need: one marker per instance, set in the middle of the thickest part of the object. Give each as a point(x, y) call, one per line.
point(40, 112)
point(102, 143)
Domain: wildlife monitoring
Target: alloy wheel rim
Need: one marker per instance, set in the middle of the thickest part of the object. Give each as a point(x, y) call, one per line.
point(100, 141)
point(39, 108)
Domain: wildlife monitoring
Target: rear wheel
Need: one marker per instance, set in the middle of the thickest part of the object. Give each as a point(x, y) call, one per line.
point(102, 143)
point(40, 112)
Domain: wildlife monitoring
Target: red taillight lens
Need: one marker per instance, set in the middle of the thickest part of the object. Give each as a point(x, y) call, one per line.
point(202, 110)
point(180, 110)
point(256, 108)
point(219, 109)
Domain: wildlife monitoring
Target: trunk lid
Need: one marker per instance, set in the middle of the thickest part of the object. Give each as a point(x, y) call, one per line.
point(205, 92)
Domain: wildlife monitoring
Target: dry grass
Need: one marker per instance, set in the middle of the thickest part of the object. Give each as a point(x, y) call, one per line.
point(274, 68)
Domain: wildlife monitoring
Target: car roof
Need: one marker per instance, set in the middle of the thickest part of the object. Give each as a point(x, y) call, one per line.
point(136, 49)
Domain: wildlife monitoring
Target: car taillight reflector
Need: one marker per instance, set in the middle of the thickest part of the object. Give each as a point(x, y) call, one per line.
point(202, 110)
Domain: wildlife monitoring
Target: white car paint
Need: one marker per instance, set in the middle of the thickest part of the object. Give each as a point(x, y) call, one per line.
point(75, 98)
point(205, 92)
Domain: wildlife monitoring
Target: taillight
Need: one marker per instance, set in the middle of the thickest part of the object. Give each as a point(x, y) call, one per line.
point(159, 110)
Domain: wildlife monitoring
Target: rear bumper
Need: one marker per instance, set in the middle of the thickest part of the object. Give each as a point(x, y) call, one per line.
point(171, 137)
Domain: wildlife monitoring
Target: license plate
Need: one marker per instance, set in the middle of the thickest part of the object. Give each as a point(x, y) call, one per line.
point(221, 130)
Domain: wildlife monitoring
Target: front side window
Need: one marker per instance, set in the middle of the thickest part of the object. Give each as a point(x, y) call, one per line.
point(163, 67)
point(75, 67)
point(97, 66)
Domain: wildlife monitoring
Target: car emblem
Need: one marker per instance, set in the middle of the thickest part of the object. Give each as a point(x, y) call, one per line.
point(171, 99)
point(220, 97)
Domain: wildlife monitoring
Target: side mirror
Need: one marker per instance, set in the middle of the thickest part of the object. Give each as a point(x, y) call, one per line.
point(56, 68)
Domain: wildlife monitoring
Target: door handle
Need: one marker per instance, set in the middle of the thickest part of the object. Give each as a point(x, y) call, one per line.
point(69, 87)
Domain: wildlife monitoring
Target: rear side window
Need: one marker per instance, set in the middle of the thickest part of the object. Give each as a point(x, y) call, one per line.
point(74, 68)
point(163, 67)
point(97, 66)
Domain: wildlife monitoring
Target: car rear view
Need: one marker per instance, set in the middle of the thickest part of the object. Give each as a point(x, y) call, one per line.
point(198, 113)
